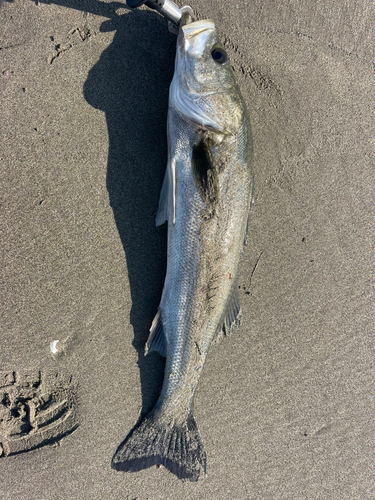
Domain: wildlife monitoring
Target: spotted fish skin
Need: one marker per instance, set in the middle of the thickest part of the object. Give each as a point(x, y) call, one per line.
point(206, 198)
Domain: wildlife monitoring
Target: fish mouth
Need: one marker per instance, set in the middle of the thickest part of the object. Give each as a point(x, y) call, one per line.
point(196, 32)
point(196, 27)
point(196, 35)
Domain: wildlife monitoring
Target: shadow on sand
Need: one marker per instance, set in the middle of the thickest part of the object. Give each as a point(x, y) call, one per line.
point(130, 84)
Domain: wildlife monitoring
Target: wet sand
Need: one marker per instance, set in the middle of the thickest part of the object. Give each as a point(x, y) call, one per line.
point(285, 406)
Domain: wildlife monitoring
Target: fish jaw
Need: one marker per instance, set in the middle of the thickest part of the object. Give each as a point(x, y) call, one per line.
point(196, 36)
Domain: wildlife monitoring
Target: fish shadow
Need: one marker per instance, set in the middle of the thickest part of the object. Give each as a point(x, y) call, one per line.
point(130, 83)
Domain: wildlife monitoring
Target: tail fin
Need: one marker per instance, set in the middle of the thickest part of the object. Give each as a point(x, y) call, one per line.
point(178, 447)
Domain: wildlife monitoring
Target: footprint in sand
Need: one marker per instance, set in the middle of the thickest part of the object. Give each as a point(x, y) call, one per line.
point(36, 409)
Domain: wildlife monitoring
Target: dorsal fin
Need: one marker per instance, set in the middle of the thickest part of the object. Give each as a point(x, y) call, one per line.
point(249, 214)
point(232, 315)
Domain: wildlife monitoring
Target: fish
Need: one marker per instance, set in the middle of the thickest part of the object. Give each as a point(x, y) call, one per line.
point(206, 197)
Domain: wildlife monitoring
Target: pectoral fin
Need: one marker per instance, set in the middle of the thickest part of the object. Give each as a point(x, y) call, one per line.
point(167, 200)
point(156, 340)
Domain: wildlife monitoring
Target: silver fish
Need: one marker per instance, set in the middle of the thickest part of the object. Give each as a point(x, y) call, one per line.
point(206, 198)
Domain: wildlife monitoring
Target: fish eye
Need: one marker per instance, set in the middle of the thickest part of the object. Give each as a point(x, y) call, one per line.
point(219, 55)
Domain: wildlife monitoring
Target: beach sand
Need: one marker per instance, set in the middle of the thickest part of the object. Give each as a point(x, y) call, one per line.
point(285, 406)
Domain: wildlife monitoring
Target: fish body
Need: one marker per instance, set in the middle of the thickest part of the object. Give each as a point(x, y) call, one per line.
point(206, 199)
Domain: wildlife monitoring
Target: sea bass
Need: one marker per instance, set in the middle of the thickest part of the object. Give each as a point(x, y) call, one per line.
point(206, 197)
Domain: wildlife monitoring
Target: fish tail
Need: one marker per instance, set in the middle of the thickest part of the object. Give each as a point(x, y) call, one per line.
point(176, 446)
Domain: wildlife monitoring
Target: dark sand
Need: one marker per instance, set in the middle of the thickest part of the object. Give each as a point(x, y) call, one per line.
point(286, 405)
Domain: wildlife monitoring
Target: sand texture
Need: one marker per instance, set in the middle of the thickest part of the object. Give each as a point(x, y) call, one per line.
point(285, 406)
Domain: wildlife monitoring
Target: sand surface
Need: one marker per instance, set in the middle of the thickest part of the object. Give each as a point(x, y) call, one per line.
point(286, 405)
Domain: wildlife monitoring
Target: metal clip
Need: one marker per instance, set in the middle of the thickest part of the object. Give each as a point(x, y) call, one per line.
point(169, 10)
point(187, 17)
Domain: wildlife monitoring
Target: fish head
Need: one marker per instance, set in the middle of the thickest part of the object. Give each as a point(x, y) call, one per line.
point(204, 89)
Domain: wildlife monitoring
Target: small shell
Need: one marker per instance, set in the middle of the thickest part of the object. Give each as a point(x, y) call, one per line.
point(53, 347)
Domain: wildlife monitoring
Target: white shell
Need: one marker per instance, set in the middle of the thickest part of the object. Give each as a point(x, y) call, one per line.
point(53, 347)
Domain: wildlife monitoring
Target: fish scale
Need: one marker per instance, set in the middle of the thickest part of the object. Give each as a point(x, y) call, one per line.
point(206, 198)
